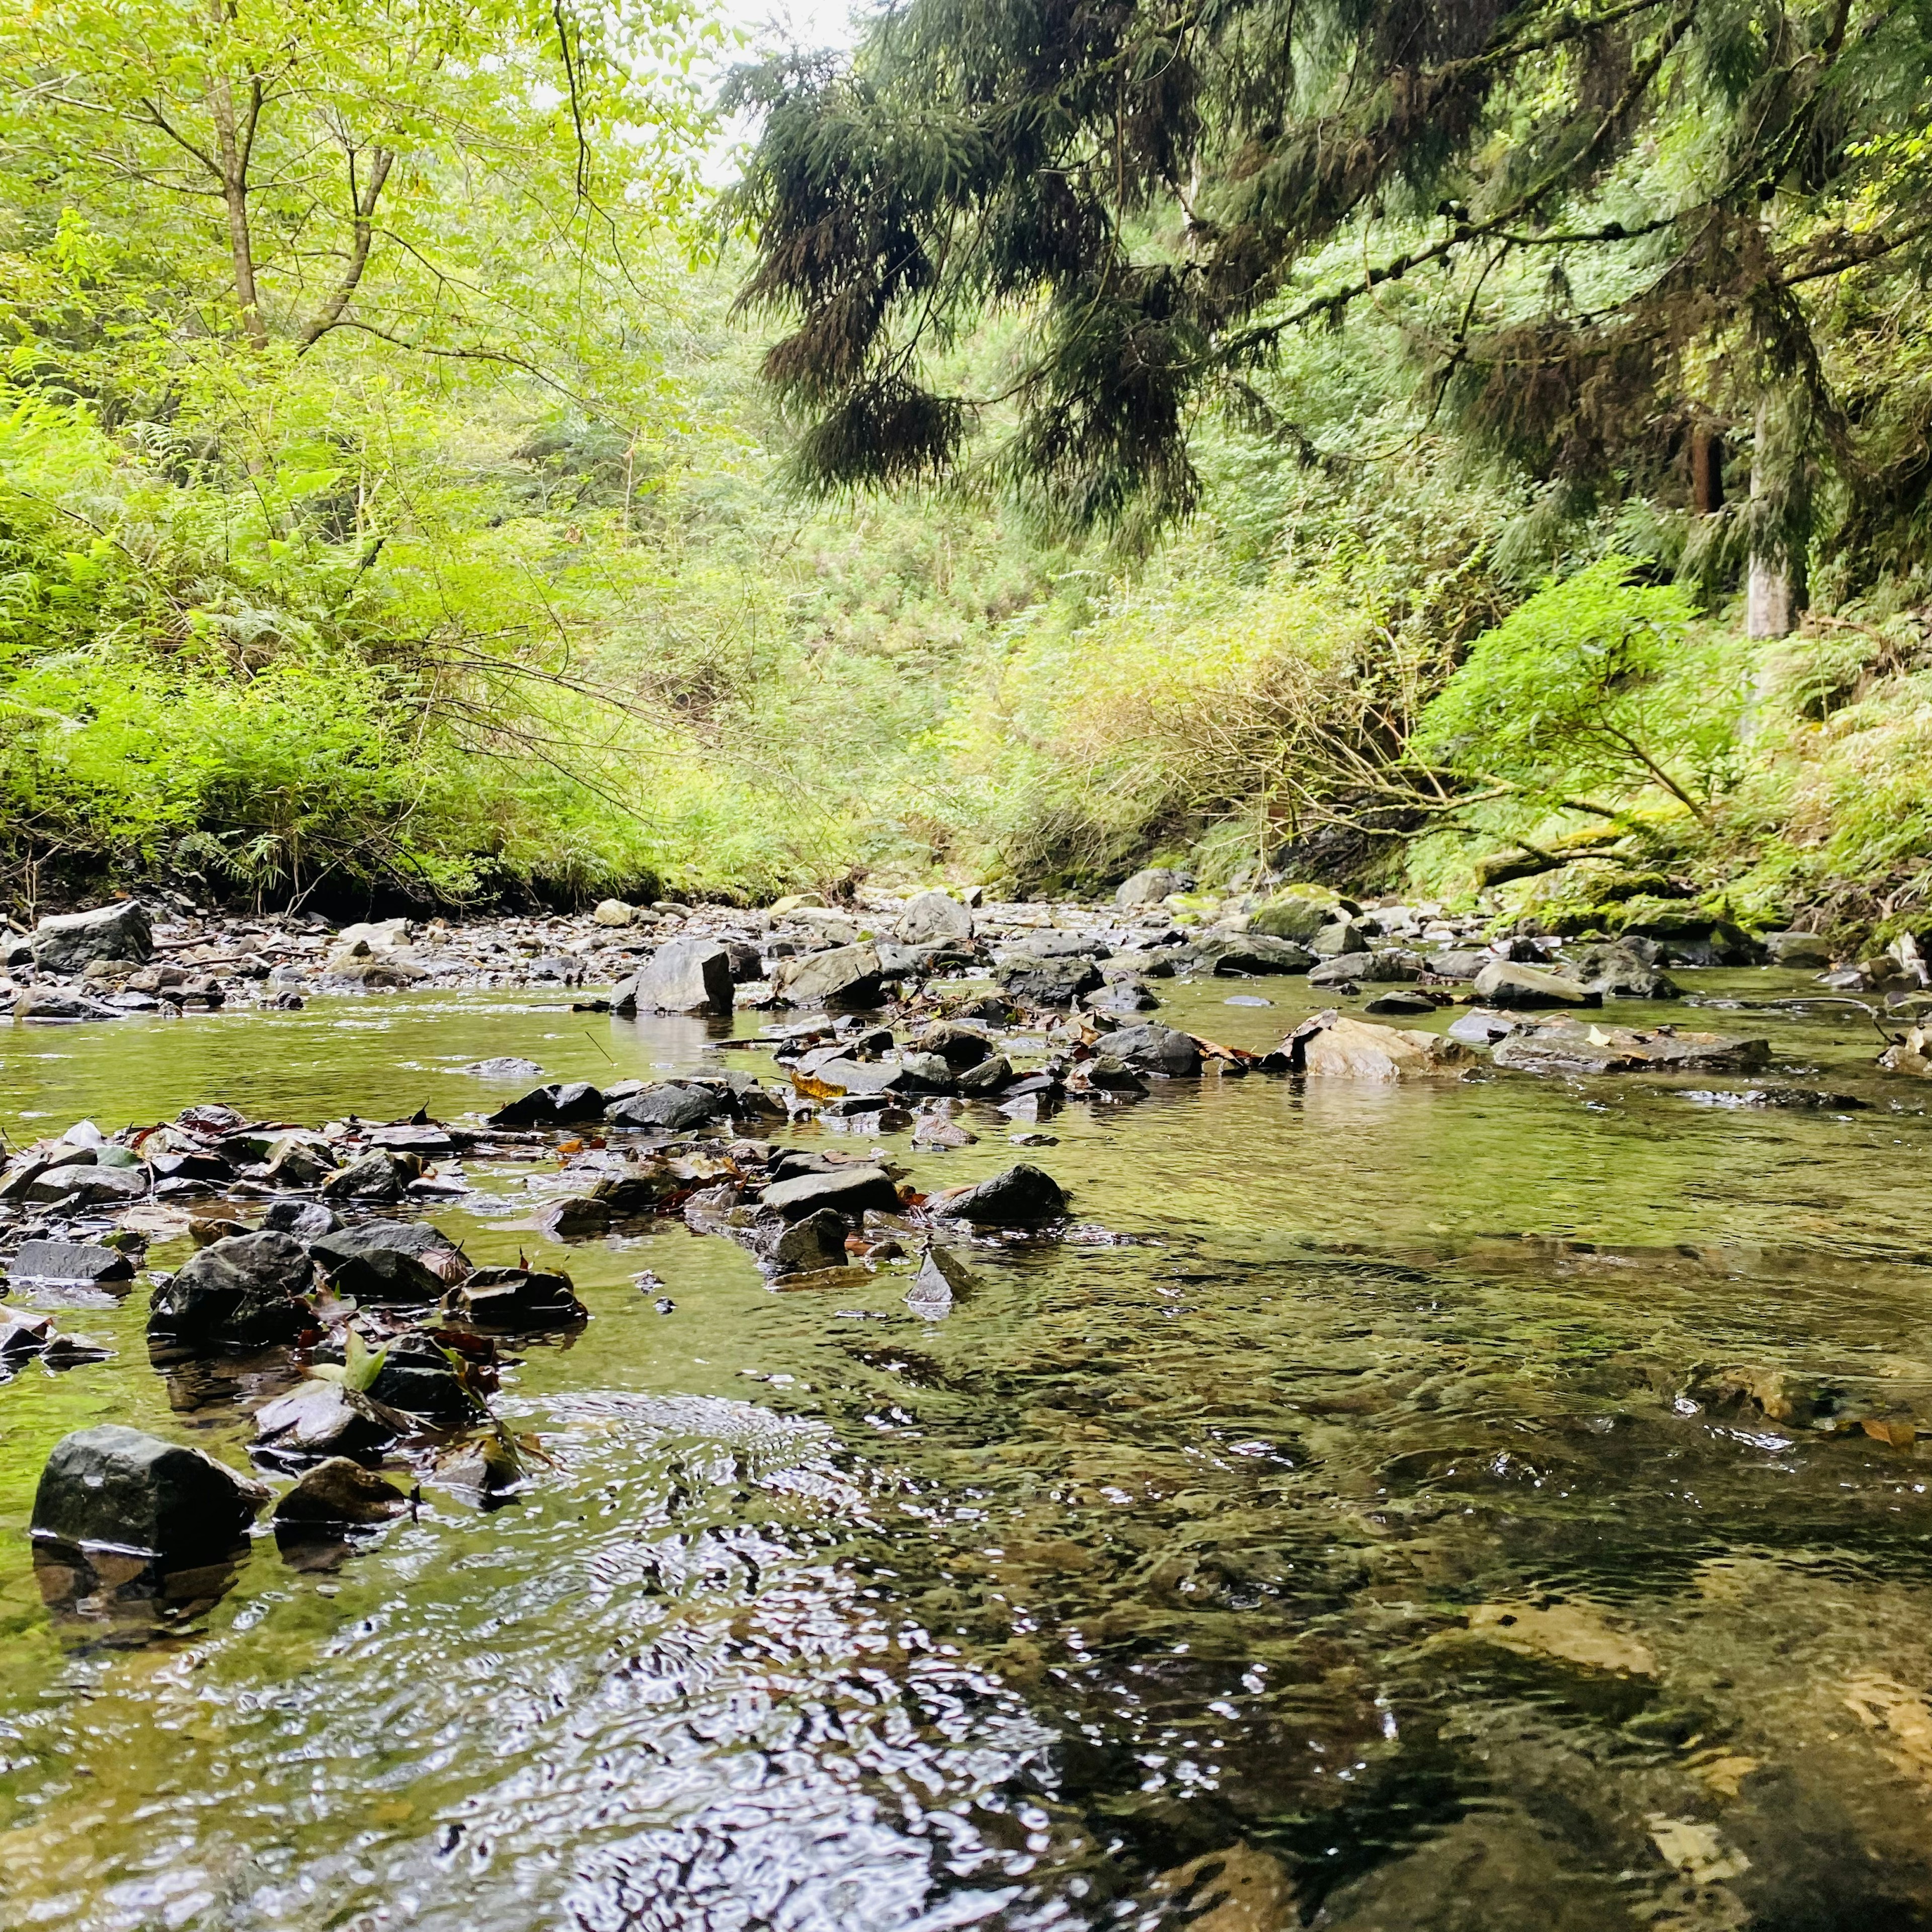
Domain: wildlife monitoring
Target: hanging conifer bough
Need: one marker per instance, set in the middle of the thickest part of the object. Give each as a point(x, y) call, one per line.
point(1163, 190)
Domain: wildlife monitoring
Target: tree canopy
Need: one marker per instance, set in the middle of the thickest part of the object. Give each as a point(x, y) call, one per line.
point(1608, 230)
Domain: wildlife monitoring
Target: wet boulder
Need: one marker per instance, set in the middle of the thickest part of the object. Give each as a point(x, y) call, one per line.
point(1572, 1046)
point(86, 1262)
point(990, 1075)
point(1104, 1077)
point(1298, 916)
point(840, 978)
point(1121, 996)
point(1806, 951)
point(307, 1220)
point(959, 1046)
point(667, 1107)
point(934, 919)
point(123, 1489)
point(68, 942)
point(90, 1185)
point(419, 1376)
point(849, 1191)
point(943, 1278)
point(1620, 970)
point(1023, 1196)
point(1249, 955)
point(577, 1217)
point(803, 1246)
point(1458, 962)
point(388, 1261)
point(1050, 982)
point(1155, 1049)
point(516, 1299)
point(381, 1174)
point(503, 1067)
point(339, 1493)
point(1504, 983)
point(1332, 1046)
point(321, 1418)
point(49, 1002)
point(245, 1291)
point(561, 1104)
point(684, 976)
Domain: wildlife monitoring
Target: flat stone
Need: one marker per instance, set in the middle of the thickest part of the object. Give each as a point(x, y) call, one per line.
point(70, 1261)
point(49, 1002)
point(850, 1192)
point(1503, 983)
point(1050, 982)
point(1573, 1046)
point(1253, 953)
point(1332, 1046)
point(387, 1261)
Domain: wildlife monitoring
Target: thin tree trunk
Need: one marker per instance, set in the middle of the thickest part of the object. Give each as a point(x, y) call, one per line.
point(362, 203)
point(1775, 591)
point(1707, 472)
point(234, 140)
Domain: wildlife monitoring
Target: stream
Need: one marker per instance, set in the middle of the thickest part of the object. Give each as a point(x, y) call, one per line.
point(1328, 1531)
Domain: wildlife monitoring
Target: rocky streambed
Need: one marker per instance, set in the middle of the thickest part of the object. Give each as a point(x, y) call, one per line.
point(924, 1414)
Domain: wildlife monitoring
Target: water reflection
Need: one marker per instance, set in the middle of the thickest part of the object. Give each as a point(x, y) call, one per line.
point(126, 1597)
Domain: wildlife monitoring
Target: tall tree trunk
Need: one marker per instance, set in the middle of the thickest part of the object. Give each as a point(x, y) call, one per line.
point(1707, 472)
point(234, 141)
point(1775, 591)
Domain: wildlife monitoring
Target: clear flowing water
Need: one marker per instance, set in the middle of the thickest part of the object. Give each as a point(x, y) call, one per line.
point(1331, 1504)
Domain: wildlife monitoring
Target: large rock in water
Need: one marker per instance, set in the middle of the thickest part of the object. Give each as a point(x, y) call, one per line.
point(1329, 1045)
point(1023, 1196)
point(842, 979)
point(932, 919)
point(119, 1488)
point(1569, 1046)
point(850, 1191)
point(65, 942)
point(684, 976)
point(249, 1290)
point(1503, 983)
point(1054, 981)
point(1155, 1049)
point(388, 1261)
point(1228, 953)
point(1293, 915)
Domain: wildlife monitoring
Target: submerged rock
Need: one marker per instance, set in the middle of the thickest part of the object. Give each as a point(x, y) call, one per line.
point(1329, 1045)
point(339, 1492)
point(245, 1291)
point(123, 1489)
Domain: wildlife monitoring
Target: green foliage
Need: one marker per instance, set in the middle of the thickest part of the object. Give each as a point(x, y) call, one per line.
point(1595, 681)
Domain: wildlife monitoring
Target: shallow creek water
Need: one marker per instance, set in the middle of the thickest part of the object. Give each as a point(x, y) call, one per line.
point(1347, 1522)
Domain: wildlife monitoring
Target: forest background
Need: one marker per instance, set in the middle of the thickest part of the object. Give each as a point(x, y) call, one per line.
point(399, 504)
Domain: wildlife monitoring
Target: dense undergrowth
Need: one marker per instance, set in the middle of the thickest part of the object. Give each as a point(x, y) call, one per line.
point(518, 600)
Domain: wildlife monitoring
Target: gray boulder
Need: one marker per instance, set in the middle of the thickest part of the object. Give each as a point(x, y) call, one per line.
point(1503, 983)
point(387, 1261)
point(1619, 970)
point(1341, 936)
point(321, 1418)
point(1057, 982)
point(1803, 950)
point(684, 976)
point(851, 1192)
point(339, 1493)
point(934, 919)
point(1292, 916)
point(88, 1184)
point(67, 941)
point(70, 1261)
point(1458, 962)
point(1155, 1049)
point(943, 1278)
point(1023, 1196)
point(667, 1107)
point(1228, 953)
point(1121, 996)
point(122, 1489)
point(804, 1247)
point(49, 1002)
point(841, 978)
point(1150, 886)
point(248, 1290)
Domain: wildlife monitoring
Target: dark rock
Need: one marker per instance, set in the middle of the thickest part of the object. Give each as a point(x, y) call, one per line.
point(1503, 983)
point(1023, 1196)
point(307, 1220)
point(248, 1290)
point(118, 1488)
point(418, 1377)
point(321, 1418)
point(1800, 1099)
point(667, 1107)
point(340, 1492)
point(1619, 970)
point(1050, 982)
point(960, 1047)
point(849, 1191)
point(943, 1278)
point(841, 978)
point(1155, 1049)
point(804, 1247)
point(380, 1174)
point(48, 1003)
point(516, 1299)
point(1105, 1074)
point(989, 1076)
point(387, 1261)
point(1411, 1004)
point(70, 1261)
point(559, 1104)
point(1254, 954)
point(577, 1217)
point(88, 1186)
point(67, 941)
